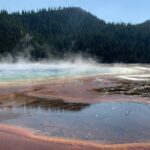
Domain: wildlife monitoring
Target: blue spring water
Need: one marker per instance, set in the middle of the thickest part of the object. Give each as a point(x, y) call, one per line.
point(31, 71)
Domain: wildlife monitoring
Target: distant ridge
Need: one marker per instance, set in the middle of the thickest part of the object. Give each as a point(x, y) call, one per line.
point(53, 33)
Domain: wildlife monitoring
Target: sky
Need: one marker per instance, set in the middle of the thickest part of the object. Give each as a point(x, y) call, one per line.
point(128, 11)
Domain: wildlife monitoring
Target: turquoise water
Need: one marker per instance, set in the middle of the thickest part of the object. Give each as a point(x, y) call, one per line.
point(20, 72)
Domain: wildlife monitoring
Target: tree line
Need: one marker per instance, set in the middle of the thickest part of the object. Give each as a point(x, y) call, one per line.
point(54, 32)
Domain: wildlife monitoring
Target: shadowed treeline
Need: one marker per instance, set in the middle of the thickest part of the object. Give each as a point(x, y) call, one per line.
point(58, 33)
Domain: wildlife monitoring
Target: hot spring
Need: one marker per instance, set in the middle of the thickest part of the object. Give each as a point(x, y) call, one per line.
point(21, 72)
point(111, 106)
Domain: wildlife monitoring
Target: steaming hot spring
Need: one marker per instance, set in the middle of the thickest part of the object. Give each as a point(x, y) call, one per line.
point(86, 101)
point(23, 72)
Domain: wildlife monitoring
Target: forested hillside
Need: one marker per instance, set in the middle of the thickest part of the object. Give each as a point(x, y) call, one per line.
point(53, 33)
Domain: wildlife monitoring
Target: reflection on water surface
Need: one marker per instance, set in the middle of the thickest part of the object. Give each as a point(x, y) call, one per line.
point(55, 105)
point(113, 122)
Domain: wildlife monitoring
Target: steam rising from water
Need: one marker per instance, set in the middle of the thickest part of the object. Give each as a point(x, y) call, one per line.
point(25, 70)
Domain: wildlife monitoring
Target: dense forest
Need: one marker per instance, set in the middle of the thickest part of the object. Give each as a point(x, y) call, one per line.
point(53, 33)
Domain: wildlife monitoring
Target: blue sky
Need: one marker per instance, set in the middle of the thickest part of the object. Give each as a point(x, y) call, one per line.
point(134, 11)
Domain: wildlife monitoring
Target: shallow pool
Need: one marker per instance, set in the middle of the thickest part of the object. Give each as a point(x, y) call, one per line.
point(112, 122)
